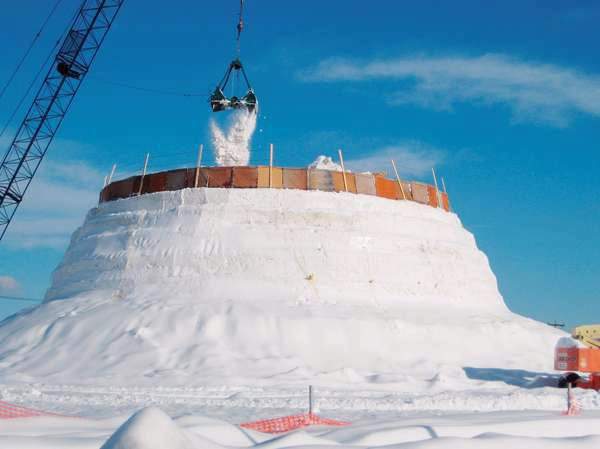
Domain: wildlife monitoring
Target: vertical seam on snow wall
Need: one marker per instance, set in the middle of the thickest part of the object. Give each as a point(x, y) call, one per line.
point(282, 178)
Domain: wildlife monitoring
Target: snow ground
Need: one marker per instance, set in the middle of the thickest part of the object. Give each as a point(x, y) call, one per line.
point(513, 429)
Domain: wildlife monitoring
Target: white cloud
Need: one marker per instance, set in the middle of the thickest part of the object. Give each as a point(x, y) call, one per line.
point(412, 158)
point(534, 91)
point(8, 284)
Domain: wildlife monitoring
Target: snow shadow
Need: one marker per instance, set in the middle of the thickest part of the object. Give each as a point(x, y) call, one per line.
point(515, 377)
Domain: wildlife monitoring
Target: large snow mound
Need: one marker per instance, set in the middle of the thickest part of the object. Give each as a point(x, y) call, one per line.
point(263, 285)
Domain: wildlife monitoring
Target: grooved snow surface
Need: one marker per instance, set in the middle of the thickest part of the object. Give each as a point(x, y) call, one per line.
point(259, 286)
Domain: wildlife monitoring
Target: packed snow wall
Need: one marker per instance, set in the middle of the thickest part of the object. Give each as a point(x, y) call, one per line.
point(260, 286)
point(277, 178)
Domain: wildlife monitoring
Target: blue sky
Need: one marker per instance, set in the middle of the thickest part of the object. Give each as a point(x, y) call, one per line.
point(503, 98)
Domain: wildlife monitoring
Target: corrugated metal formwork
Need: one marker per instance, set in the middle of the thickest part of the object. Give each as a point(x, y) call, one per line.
point(386, 188)
point(176, 179)
point(245, 177)
point(420, 193)
point(365, 184)
point(320, 180)
point(294, 178)
point(445, 202)
point(263, 177)
point(219, 176)
point(433, 198)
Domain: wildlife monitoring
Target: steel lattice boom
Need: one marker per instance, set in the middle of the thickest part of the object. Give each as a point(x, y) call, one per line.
point(78, 50)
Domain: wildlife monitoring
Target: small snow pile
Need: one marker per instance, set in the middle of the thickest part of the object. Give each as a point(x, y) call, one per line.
point(151, 428)
point(325, 163)
point(233, 147)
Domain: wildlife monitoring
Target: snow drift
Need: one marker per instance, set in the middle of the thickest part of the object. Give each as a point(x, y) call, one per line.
point(244, 286)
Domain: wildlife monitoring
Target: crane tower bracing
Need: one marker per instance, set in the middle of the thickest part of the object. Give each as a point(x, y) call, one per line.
point(75, 56)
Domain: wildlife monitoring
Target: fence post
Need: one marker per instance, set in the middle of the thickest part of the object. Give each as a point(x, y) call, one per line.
point(310, 400)
point(112, 173)
point(398, 179)
point(270, 165)
point(198, 163)
point(343, 169)
point(143, 173)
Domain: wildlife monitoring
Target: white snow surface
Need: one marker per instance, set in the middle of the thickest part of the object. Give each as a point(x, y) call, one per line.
point(268, 286)
point(232, 147)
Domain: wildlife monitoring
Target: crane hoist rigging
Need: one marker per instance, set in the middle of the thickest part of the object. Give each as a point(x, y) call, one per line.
point(218, 100)
point(79, 47)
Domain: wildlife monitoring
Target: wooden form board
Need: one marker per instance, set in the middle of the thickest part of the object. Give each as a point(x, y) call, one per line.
point(289, 178)
point(433, 198)
point(386, 188)
point(263, 177)
point(320, 180)
point(220, 176)
point(294, 178)
point(365, 184)
point(245, 177)
point(420, 193)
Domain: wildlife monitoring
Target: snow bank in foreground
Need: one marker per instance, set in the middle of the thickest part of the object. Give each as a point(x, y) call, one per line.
point(232, 147)
point(522, 430)
point(151, 428)
point(247, 286)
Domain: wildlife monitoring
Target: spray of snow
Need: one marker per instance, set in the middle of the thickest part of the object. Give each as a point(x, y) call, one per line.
point(232, 147)
point(325, 163)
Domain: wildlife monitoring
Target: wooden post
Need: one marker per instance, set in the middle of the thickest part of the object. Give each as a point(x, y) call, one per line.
point(444, 186)
point(343, 169)
point(270, 165)
point(398, 179)
point(310, 400)
point(143, 173)
point(437, 191)
point(112, 173)
point(198, 163)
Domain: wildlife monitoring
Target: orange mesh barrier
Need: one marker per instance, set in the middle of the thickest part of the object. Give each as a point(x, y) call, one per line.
point(11, 411)
point(245, 177)
point(293, 422)
point(387, 188)
point(365, 184)
point(294, 178)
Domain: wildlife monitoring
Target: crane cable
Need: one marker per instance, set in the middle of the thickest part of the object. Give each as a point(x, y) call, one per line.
point(39, 73)
point(31, 45)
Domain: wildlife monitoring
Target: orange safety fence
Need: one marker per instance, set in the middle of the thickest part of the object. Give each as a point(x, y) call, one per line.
point(11, 411)
point(292, 422)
